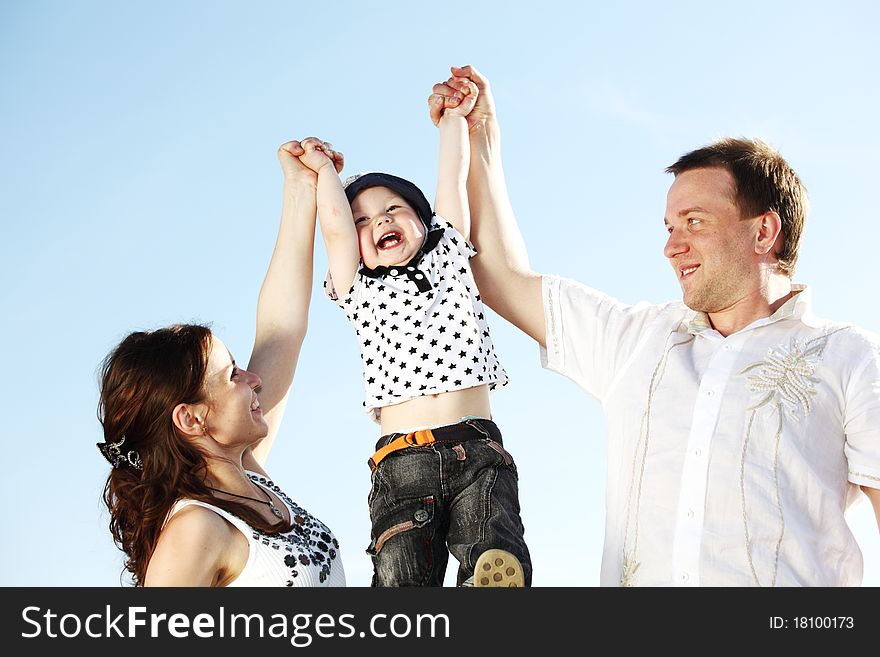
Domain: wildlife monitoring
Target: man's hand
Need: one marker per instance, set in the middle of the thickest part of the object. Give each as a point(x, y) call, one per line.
point(317, 154)
point(446, 96)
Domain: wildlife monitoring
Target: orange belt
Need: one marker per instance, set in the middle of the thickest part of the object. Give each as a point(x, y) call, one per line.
point(414, 439)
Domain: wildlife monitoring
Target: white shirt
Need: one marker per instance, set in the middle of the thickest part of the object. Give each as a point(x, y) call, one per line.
point(422, 328)
point(308, 555)
point(731, 460)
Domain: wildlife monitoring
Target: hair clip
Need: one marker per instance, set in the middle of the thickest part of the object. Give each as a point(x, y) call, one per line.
point(113, 453)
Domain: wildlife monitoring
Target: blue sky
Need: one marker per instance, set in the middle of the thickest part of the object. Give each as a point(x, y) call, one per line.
point(139, 187)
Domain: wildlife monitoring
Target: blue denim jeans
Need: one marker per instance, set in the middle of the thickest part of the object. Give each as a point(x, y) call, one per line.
point(459, 495)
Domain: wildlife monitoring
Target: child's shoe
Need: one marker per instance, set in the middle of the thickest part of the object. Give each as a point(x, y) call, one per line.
point(498, 568)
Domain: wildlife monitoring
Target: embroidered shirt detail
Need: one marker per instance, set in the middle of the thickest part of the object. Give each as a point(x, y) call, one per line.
point(784, 382)
point(552, 331)
point(634, 496)
point(785, 377)
point(854, 473)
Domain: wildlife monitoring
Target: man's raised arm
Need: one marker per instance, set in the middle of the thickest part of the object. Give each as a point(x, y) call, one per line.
point(506, 281)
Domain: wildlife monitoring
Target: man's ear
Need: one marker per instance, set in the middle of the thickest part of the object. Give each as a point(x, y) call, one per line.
point(769, 231)
point(189, 419)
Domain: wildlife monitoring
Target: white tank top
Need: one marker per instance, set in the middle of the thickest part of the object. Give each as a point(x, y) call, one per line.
point(308, 555)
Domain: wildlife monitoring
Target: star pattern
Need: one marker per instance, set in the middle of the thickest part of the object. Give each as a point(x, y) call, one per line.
point(423, 338)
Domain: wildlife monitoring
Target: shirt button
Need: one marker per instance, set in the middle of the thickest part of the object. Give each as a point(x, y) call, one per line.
point(410, 268)
point(684, 577)
point(690, 513)
point(421, 515)
point(393, 272)
point(698, 452)
point(708, 393)
point(726, 347)
point(419, 276)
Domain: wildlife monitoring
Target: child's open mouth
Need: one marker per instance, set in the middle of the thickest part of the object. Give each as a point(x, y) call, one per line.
point(389, 240)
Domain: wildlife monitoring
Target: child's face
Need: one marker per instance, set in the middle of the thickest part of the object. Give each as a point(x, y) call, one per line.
point(389, 230)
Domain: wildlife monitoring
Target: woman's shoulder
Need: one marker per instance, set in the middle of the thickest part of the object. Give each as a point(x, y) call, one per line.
point(195, 545)
point(197, 526)
point(195, 516)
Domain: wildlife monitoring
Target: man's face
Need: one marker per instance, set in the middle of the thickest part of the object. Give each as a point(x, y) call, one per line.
point(710, 247)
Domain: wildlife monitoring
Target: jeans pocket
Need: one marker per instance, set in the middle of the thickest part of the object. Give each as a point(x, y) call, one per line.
point(498, 447)
point(404, 516)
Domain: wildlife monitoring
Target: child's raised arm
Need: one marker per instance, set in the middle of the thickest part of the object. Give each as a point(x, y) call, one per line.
point(334, 212)
point(452, 202)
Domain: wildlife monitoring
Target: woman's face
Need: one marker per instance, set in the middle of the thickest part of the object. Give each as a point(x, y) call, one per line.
point(234, 415)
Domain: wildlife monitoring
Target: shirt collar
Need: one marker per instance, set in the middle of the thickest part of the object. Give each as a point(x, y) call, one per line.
point(800, 307)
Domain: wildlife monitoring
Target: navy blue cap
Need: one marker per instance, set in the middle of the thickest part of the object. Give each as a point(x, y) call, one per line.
point(410, 193)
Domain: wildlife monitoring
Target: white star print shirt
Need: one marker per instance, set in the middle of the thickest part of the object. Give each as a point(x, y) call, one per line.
point(731, 460)
point(421, 327)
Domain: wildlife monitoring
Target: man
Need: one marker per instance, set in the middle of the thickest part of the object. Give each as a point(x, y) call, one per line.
point(741, 427)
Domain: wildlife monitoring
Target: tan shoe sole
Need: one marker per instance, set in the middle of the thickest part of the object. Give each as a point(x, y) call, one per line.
point(498, 568)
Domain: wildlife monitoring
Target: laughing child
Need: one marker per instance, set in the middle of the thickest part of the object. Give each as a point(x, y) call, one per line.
point(442, 481)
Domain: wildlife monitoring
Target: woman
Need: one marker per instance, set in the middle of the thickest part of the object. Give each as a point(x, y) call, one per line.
point(187, 431)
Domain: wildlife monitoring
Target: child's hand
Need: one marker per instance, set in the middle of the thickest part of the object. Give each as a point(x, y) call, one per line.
point(467, 95)
point(318, 154)
point(443, 97)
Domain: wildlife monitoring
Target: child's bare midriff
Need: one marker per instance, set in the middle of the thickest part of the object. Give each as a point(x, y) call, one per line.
point(436, 410)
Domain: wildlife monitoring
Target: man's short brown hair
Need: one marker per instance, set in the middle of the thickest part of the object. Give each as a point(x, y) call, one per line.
point(764, 182)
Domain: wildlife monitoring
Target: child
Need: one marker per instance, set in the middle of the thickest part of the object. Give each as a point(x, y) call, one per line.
point(441, 479)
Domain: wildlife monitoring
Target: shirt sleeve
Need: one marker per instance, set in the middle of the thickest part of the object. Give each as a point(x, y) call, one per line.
point(346, 299)
point(458, 241)
point(862, 418)
point(590, 335)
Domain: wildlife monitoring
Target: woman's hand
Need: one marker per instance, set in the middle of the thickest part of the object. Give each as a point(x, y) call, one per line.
point(295, 170)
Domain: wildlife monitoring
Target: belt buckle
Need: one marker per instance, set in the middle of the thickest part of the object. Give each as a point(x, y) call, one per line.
point(421, 438)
